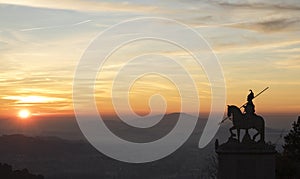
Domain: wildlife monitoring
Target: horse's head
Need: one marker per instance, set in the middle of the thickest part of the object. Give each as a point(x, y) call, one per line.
point(233, 109)
point(229, 110)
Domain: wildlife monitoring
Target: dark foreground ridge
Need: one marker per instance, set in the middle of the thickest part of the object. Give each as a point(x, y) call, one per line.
point(57, 158)
point(6, 172)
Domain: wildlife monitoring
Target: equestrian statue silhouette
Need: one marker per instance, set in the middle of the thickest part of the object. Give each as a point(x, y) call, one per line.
point(247, 120)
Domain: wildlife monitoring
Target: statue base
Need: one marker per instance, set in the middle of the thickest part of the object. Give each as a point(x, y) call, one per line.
point(245, 160)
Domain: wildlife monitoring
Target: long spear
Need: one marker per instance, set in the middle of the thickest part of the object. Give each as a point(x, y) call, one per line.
point(246, 102)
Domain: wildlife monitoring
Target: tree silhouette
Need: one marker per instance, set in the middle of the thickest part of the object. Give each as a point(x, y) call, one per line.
point(288, 163)
point(292, 142)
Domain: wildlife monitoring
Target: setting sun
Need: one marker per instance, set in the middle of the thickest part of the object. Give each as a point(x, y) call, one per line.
point(24, 114)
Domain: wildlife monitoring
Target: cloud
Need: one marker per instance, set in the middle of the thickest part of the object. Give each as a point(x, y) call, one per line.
point(257, 15)
point(274, 5)
point(271, 25)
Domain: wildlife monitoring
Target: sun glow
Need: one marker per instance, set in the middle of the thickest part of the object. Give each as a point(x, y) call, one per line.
point(24, 114)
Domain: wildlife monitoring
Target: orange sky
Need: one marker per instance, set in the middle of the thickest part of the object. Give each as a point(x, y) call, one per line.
point(257, 47)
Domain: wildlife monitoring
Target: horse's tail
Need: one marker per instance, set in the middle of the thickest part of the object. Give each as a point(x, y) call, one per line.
point(263, 130)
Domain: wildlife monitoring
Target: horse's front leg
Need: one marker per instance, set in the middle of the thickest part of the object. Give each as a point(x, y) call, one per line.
point(231, 129)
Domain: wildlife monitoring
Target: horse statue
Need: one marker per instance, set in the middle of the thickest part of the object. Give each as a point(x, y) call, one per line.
point(240, 122)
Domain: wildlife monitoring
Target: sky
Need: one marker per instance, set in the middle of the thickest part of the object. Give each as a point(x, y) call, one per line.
point(256, 42)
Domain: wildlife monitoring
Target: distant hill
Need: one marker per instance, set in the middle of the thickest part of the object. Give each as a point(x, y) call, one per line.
point(18, 144)
point(67, 128)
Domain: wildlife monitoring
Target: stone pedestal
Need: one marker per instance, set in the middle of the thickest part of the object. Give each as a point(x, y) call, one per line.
point(245, 160)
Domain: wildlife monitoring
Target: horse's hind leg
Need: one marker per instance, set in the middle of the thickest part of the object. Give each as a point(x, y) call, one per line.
point(262, 135)
point(238, 134)
point(232, 128)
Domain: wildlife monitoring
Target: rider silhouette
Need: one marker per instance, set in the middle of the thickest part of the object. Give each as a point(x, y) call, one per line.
point(249, 107)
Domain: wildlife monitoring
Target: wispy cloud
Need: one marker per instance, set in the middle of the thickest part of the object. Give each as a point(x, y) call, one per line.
point(253, 46)
point(289, 64)
point(84, 5)
point(33, 99)
point(53, 27)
